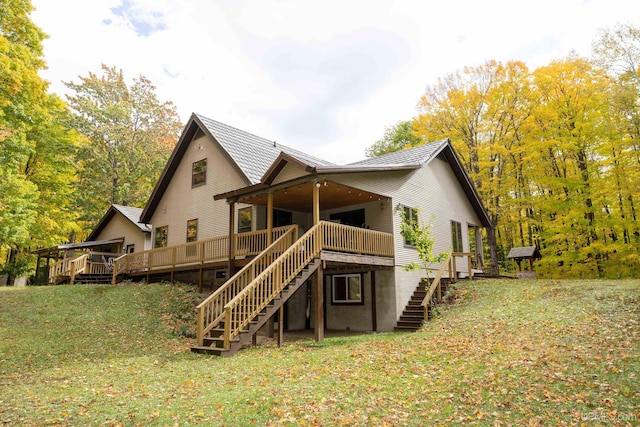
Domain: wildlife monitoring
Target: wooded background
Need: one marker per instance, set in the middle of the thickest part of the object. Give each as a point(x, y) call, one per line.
point(553, 152)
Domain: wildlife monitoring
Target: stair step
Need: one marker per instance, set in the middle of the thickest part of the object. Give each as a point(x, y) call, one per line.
point(211, 350)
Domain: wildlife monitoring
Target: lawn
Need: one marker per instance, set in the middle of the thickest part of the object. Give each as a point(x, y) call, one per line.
point(506, 353)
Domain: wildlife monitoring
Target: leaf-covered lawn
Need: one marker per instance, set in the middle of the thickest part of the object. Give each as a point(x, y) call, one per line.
point(507, 353)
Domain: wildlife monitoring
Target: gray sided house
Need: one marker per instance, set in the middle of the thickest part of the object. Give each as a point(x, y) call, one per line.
point(246, 216)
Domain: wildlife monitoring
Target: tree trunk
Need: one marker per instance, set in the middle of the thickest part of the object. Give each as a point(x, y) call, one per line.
point(493, 249)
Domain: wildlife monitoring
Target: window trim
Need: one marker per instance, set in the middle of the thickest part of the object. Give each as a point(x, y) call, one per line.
point(413, 212)
point(245, 228)
point(195, 176)
point(193, 238)
point(457, 242)
point(166, 236)
point(347, 301)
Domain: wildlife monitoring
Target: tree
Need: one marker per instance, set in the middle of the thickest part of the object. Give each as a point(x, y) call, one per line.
point(421, 238)
point(36, 149)
point(396, 138)
point(130, 135)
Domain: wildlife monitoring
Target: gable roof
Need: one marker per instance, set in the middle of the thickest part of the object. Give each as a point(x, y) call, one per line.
point(411, 156)
point(524, 252)
point(409, 159)
point(129, 212)
point(250, 155)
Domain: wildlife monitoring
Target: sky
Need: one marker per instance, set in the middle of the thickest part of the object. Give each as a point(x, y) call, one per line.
point(326, 77)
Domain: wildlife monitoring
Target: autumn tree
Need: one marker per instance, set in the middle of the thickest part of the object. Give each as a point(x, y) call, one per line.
point(130, 135)
point(395, 138)
point(36, 149)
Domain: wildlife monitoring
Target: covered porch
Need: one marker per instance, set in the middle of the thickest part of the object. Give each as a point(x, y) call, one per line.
point(66, 262)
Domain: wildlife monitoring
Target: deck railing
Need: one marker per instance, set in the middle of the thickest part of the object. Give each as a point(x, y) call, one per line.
point(194, 253)
point(68, 267)
point(253, 298)
point(210, 311)
point(436, 285)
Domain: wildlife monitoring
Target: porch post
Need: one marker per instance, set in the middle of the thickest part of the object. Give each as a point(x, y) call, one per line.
point(316, 203)
point(280, 325)
point(269, 218)
point(232, 240)
point(318, 306)
point(374, 314)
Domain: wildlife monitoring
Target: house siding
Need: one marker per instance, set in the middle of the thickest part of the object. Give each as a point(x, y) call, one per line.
point(180, 202)
point(289, 172)
point(118, 227)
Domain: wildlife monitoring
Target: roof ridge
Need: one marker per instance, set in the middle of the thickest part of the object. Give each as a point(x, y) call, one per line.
point(200, 116)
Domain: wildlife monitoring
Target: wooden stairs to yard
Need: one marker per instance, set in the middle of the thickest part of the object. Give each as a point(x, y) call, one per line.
point(214, 341)
point(412, 317)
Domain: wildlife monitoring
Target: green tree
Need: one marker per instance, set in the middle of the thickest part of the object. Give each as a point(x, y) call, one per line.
point(396, 138)
point(36, 149)
point(130, 135)
point(420, 237)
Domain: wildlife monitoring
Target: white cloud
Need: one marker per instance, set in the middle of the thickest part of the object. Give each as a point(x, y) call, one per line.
point(325, 77)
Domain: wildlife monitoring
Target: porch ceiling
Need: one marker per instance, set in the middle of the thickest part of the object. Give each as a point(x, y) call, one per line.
point(299, 197)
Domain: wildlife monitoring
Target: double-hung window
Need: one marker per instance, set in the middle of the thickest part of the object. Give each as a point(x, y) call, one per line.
point(409, 218)
point(199, 173)
point(161, 236)
point(456, 236)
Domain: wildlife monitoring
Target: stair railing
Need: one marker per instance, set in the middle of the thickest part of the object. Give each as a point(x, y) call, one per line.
point(68, 267)
point(251, 300)
point(269, 284)
point(436, 285)
point(210, 311)
point(77, 266)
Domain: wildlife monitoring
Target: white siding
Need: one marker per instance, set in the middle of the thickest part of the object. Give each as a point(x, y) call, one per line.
point(289, 172)
point(118, 227)
point(181, 203)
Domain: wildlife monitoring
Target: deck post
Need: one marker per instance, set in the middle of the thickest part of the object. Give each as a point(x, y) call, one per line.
point(232, 240)
point(318, 306)
point(280, 325)
point(316, 203)
point(269, 219)
point(374, 314)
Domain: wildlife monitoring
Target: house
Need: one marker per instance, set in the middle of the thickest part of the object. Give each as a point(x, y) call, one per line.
point(122, 222)
point(277, 231)
point(117, 232)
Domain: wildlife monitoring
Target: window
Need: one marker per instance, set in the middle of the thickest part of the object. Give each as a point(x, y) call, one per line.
point(456, 236)
point(199, 173)
point(161, 236)
point(347, 289)
point(353, 218)
point(410, 218)
point(129, 249)
point(192, 230)
point(244, 219)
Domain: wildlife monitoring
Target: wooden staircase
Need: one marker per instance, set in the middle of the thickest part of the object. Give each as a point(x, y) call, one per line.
point(214, 341)
point(419, 308)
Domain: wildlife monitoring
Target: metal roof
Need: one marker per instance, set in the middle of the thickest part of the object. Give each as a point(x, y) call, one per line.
point(253, 154)
point(412, 156)
point(129, 212)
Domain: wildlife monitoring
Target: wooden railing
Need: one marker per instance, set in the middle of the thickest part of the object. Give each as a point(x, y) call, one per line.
point(210, 311)
point(253, 298)
point(194, 253)
point(68, 267)
point(436, 285)
point(356, 240)
point(469, 256)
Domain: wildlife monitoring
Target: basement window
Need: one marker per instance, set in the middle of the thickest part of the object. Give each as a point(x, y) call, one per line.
point(346, 289)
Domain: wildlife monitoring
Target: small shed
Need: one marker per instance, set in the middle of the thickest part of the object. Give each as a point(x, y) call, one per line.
point(524, 252)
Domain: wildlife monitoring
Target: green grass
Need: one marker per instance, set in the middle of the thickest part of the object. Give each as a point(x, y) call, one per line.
point(507, 353)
